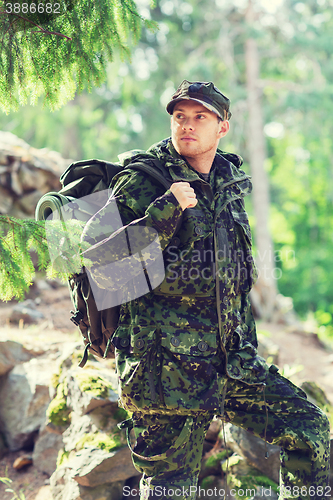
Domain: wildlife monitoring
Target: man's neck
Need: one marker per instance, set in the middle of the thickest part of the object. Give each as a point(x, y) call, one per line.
point(201, 165)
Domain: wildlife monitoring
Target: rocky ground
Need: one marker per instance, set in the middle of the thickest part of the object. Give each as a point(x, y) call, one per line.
point(299, 354)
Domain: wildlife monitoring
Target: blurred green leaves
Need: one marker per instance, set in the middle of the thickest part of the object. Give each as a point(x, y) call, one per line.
point(54, 55)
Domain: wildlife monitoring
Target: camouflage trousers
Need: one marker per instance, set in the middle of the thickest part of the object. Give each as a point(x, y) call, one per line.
point(168, 448)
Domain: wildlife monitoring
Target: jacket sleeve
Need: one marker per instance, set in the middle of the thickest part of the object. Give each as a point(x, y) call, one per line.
point(127, 236)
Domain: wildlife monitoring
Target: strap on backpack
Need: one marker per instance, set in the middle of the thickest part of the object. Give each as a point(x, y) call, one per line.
point(159, 173)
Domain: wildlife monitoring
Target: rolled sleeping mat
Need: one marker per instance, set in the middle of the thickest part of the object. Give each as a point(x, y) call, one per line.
point(50, 203)
point(77, 208)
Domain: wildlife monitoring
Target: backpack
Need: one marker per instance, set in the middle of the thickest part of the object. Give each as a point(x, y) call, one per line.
point(80, 179)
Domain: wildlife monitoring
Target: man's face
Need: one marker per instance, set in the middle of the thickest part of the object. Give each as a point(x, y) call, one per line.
point(196, 131)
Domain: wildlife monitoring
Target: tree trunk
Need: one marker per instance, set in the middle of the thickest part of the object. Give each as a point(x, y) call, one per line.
point(265, 291)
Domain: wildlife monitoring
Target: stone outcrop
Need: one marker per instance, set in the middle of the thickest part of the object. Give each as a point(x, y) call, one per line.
point(11, 354)
point(254, 450)
point(26, 174)
point(94, 458)
point(46, 450)
point(24, 395)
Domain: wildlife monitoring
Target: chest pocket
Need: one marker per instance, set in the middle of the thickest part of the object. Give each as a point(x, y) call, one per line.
point(189, 257)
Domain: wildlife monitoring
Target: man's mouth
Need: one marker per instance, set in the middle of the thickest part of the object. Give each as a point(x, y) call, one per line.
point(188, 139)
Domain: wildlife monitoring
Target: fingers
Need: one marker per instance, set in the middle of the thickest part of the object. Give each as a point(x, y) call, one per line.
point(185, 194)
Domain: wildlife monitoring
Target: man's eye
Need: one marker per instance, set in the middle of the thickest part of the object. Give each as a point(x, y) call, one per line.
point(200, 117)
point(179, 116)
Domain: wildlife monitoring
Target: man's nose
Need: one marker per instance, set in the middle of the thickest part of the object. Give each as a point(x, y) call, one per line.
point(188, 124)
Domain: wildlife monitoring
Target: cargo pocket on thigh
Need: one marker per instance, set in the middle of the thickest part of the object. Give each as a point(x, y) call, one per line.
point(135, 347)
point(180, 440)
point(188, 378)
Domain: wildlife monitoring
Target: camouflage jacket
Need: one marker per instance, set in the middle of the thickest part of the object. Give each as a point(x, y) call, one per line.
point(177, 344)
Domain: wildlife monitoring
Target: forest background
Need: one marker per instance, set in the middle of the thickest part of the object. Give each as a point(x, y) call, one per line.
point(290, 45)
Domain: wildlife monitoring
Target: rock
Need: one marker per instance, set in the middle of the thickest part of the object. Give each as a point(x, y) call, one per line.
point(253, 449)
point(44, 493)
point(54, 429)
point(64, 487)
point(11, 354)
point(113, 491)
point(315, 394)
point(25, 311)
point(29, 200)
point(30, 178)
point(3, 447)
point(95, 451)
point(213, 430)
point(43, 285)
point(22, 462)
point(24, 396)
point(93, 467)
point(26, 174)
point(46, 451)
point(79, 428)
point(6, 201)
point(90, 388)
point(96, 430)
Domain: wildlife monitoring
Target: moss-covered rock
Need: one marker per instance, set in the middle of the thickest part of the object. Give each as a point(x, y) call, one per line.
point(316, 394)
point(58, 412)
point(245, 480)
point(216, 458)
point(103, 441)
point(62, 458)
point(92, 382)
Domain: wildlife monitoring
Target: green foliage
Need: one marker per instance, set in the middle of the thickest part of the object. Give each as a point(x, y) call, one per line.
point(56, 55)
point(214, 459)
point(207, 482)
point(57, 246)
point(17, 238)
point(16, 496)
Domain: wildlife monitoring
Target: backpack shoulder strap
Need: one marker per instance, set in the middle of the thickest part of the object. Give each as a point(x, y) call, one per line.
point(158, 171)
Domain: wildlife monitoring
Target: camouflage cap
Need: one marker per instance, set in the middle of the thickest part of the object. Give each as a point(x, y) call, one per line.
point(204, 92)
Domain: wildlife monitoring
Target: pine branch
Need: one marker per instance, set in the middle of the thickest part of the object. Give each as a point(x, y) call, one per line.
point(58, 247)
point(58, 65)
point(40, 30)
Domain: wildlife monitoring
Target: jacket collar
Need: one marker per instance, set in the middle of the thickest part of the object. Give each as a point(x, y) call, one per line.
point(227, 165)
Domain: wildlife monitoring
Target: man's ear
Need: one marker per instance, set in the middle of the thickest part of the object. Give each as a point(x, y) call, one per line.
point(223, 128)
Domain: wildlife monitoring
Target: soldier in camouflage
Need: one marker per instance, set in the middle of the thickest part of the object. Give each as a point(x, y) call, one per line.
point(187, 350)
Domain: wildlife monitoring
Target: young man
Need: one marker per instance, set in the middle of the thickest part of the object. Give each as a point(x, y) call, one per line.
point(187, 349)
